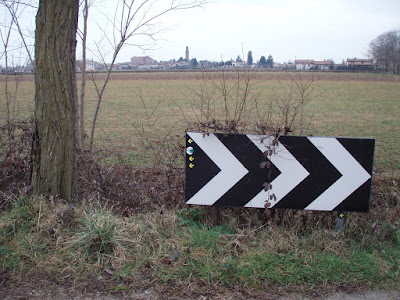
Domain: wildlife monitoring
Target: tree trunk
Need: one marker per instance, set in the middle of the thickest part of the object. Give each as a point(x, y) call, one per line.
point(54, 140)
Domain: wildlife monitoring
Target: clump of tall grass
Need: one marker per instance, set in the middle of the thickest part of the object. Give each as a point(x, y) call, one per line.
point(98, 236)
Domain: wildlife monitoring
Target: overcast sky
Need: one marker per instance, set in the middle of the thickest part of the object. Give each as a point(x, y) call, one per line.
point(286, 29)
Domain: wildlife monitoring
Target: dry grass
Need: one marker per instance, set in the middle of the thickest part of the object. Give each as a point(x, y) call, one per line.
point(79, 244)
point(347, 106)
point(354, 105)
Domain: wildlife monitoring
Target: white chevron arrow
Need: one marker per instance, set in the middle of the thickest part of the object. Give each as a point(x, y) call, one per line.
point(292, 172)
point(353, 174)
point(231, 169)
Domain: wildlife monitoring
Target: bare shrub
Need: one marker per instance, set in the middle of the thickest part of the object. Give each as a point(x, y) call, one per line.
point(291, 103)
point(162, 183)
point(128, 188)
point(232, 104)
point(14, 160)
point(227, 104)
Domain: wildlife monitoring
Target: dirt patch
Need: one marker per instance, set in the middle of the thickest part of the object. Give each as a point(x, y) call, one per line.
point(43, 289)
point(44, 286)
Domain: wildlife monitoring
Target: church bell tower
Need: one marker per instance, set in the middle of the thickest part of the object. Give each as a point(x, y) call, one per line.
point(187, 53)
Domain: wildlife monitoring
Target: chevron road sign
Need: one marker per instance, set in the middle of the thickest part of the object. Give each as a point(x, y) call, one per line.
point(295, 172)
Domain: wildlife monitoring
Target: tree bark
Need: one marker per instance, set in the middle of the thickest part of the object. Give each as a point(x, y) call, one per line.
point(54, 140)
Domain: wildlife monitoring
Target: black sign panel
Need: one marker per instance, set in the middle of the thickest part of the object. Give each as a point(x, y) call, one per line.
point(296, 172)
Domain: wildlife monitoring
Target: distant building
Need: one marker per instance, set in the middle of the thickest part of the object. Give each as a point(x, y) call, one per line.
point(310, 64)
point(239, 64)
point(285, 66)
point(323, 65)
point(303, 64)
point(142, 61)
point(360, 62)
point(182, 65)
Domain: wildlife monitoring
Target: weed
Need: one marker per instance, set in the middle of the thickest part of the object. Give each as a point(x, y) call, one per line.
point(192, 215)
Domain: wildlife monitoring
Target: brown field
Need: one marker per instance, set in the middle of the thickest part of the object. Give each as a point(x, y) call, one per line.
point(347, 104)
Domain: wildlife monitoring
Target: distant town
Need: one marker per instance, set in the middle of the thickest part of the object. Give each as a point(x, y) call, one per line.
point(148, 63)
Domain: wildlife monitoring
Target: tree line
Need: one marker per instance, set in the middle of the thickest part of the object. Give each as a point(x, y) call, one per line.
point(385, 50)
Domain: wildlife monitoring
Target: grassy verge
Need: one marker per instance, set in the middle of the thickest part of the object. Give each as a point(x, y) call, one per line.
point(180, 249)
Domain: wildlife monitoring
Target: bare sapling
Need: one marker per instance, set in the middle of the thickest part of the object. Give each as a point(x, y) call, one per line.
point(227, 104)
point(291, 102)
point(164, 149)
point(132, 21)
point(80, 117)
point(12, 80)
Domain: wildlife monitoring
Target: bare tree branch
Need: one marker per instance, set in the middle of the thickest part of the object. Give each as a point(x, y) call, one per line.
point(13, 9)
point(132, 19)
